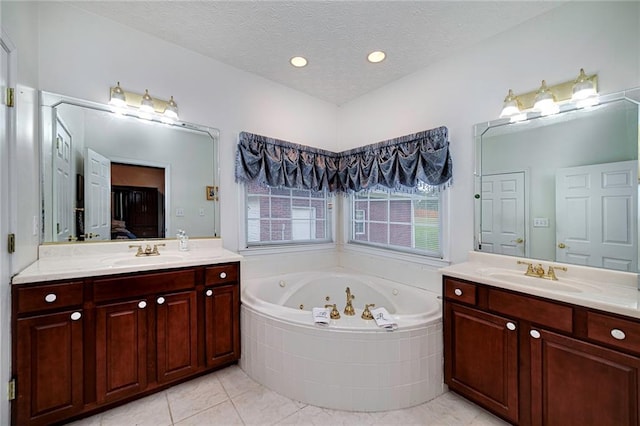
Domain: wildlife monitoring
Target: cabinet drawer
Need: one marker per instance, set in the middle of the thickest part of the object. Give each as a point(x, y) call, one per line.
point(618, 332)
point(141, 285)
point(52, 296)
point(460, 291)
point(221, 274)
point(549, 314)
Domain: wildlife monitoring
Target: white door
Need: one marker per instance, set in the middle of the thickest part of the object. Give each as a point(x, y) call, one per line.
point(597, 215)
point(63, 200)
point(7, 216)
point(97, 196)
point(502, 222)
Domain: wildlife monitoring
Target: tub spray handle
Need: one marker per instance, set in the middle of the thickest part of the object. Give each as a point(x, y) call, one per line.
point(366, 314)
point(335, 313)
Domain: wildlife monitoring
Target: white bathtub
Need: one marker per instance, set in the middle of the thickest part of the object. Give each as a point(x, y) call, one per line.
point(351, 364)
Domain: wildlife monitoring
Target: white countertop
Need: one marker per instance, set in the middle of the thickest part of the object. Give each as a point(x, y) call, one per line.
point(78, 260)
point(606, 290)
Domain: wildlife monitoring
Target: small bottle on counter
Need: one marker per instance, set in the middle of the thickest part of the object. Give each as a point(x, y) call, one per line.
point(183, 240)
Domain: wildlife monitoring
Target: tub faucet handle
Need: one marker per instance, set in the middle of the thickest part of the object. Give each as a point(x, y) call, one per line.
point(366, 314)
point(335, 313)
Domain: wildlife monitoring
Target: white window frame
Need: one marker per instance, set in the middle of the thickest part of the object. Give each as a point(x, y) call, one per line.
point(282, 247)
point(389, 251)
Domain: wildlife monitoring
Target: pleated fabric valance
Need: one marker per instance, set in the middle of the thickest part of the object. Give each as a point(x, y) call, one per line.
point(406, 163)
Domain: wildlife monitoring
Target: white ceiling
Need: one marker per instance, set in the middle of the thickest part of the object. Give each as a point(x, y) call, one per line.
point(335, 36)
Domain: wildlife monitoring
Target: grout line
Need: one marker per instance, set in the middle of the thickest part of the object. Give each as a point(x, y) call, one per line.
point(166, 397)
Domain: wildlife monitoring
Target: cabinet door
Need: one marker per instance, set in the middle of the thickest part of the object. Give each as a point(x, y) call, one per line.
point(177, 338)
point(222, 324)
point(577, 383)
point(121, 350)
point(481, 358)
point(49, 367)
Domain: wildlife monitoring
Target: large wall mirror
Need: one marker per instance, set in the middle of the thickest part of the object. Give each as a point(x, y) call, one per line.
point(108, 176)
point(563, 187)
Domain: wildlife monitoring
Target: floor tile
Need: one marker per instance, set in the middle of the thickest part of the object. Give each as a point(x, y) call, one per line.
point(235, 381)
point(196, 395)
point(221, 414)
point(150, 411)
point(262, 406)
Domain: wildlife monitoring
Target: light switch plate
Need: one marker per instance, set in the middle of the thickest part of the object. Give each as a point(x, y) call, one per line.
point(541, 222)
point(179, 212)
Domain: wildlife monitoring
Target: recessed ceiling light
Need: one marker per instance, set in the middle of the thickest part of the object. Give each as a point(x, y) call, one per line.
point(376, 56)
point(298, 61)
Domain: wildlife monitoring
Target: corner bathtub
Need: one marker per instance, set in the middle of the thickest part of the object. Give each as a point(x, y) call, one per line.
point(350, 364)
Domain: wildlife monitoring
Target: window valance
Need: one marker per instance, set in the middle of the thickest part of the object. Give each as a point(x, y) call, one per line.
point(403, 163)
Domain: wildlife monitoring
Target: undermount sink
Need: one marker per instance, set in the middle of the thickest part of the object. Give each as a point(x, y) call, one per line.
point(516, 277)
point(145, 260)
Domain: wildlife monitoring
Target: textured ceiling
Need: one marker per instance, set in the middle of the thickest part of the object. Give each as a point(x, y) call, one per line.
point(335, 36)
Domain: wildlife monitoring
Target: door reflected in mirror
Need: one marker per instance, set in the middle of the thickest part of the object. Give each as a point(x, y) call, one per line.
point(108, 176)
point(561, 188)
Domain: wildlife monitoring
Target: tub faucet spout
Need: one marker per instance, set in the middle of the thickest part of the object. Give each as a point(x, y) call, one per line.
point(348, 310)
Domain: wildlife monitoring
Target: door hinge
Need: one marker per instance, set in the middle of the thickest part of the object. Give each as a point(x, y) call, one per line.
point(9, 101)
point(11, 390)
point(11, 243)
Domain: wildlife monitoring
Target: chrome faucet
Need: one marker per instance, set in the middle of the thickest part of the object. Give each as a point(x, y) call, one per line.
point(348, 310)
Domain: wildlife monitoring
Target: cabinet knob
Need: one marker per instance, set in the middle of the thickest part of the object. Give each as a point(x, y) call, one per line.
point(160, 300)
point(142, 304)
point(223, 275)
point(76, 316)
point(535, 334)
point(511, 326)
point(209, 293)
point(618, 334)
point(457, 292)
point(50, 298)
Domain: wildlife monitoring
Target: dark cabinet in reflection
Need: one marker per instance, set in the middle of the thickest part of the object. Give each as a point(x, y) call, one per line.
point(136, 212)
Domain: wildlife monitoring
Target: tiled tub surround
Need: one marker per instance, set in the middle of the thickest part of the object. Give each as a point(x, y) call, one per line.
point(78, 260)
point(350, 364)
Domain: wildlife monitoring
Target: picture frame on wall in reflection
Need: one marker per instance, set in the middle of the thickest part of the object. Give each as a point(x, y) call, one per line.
point(212, 193)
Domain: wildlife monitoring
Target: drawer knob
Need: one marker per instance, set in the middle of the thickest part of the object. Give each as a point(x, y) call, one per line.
point(142, 304)
point(50, 298)
point(209, 293)
point(76, 316)
point(535, 334)
point(618, 334)
point(511, 326)
point(223, 275)
point(160, 300)
point(457, 292)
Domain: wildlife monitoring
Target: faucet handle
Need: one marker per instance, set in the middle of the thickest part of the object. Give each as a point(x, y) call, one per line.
point(139, 247)
point(366, 314)
point(529, 268)
point(155, 248)
point(551, 274)
point(335, 313)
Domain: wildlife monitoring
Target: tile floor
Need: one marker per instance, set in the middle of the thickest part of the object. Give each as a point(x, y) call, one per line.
point(230, 397)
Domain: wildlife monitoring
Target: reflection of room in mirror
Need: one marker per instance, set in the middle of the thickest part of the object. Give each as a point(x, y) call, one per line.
point(185, 153)
point(601, 137)
point(137, 201)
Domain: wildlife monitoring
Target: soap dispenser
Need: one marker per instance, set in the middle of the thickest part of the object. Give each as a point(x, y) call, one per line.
point(183, 240)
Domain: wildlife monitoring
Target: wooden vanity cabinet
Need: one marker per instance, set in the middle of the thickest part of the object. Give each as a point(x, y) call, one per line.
point(109, 339)
point(222, 315)
point(48, 352)
point(569, 371)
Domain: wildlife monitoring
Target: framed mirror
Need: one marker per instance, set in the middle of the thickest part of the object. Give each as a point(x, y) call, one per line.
point(108, 176)
point(563, 187)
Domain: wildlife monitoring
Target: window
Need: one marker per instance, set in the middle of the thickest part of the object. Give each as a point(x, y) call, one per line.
point(398, 221)
point(282, 216)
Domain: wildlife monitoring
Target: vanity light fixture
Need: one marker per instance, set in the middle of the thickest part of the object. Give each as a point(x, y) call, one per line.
point(581, 92)
point(298, 61)
point(376, 56)
point(144, 106)
point(545, 100)
point(511, 106)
